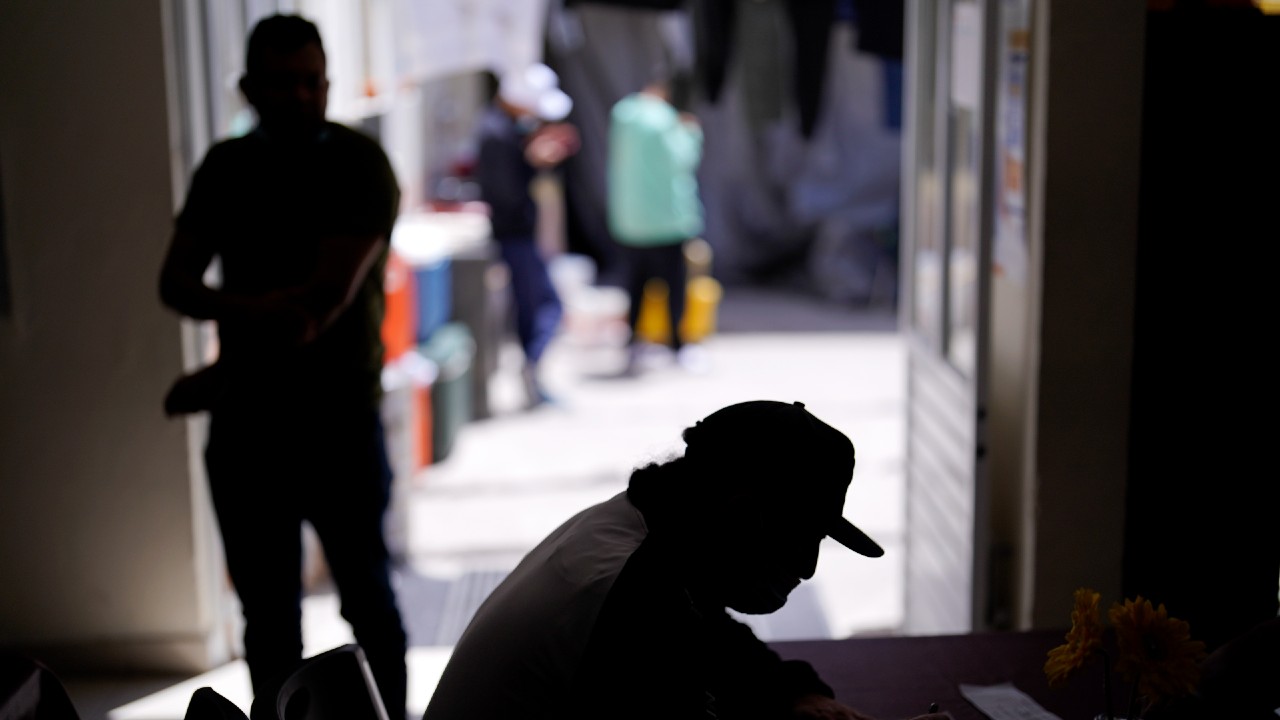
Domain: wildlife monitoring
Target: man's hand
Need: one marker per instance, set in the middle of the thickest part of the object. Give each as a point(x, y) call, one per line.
point(194, 393)
point(820, 707)
point(285, 320)
point(298, 315)
point(551, 145)
point(281, 319)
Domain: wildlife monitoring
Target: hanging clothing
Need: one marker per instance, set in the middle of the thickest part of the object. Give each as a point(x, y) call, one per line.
point(642, 4)
point(881, 27)
point(713, 40)
point(721, 28)
point(811, 22)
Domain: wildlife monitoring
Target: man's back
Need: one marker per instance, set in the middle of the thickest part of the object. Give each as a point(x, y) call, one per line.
point(652, 172)
point(595, 622)
point(541, 618)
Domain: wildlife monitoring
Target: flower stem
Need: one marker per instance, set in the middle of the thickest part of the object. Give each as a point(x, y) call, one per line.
point(1133, 701)
point(1106, 683)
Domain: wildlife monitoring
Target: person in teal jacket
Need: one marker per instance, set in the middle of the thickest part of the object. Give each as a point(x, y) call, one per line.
point(653, 201)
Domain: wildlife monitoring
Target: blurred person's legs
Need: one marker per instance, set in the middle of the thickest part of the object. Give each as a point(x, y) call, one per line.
point(669, 266)
point(633, 281)
point(661, 262)
point(538, 309)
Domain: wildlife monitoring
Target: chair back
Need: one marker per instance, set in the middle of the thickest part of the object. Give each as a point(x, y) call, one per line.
point(336, 684)
point(29, 690)
point(207, 704)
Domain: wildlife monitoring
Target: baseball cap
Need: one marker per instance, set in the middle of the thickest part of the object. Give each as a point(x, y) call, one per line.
point(786, 453)
point(536, 88)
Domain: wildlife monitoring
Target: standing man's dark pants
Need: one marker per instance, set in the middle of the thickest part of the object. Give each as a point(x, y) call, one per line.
point(665, 263)
point(325, 464)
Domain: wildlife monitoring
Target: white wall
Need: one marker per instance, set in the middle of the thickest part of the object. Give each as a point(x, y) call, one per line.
point(106, 551)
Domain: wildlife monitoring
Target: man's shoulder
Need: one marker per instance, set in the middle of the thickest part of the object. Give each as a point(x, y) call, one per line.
point(641, 111)
point(341, 132)
point(231, 148)
point(628, 105)
point(346, 136)
point(495, 124)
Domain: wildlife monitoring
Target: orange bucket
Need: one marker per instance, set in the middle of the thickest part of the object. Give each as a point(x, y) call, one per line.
point(400, 321)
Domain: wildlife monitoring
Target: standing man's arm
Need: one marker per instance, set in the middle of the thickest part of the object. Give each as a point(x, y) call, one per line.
point(345, 263)
point(300, 313)
point(685, 142)
point(356, 245)
point(552, 144)
point(182, 288)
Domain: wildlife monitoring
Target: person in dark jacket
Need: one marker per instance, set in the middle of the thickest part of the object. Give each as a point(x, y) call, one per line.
point(622, 612)
point(523, 132)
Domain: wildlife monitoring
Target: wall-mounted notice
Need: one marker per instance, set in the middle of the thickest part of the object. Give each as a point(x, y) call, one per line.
point(1009, 250)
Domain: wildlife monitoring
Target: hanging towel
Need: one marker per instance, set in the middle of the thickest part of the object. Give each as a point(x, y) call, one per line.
point(881, 25)
point(721, 26)
point(811, 22)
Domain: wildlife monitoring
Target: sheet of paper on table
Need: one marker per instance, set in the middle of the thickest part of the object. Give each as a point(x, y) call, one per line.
point(1005, 702)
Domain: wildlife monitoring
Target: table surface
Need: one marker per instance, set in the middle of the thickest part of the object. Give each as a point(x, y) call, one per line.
point(897, 677)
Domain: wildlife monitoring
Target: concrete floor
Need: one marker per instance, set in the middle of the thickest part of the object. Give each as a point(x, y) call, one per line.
point(514, 476)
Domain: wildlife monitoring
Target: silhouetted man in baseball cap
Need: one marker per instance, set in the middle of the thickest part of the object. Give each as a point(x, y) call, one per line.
point(621, 611)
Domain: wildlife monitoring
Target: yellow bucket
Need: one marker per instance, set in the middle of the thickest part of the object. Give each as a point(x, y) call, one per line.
point(702, 299)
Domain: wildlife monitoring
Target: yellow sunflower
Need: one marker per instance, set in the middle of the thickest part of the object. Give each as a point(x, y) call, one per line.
point(1083, 639)
point(1155, 650)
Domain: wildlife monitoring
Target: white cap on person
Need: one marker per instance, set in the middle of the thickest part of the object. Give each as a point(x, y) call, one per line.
point(535, 88)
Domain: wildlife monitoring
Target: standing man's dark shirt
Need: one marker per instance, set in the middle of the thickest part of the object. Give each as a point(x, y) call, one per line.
point(264, 205)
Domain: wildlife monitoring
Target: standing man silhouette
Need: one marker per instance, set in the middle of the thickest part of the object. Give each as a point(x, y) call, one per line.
point(298, 213)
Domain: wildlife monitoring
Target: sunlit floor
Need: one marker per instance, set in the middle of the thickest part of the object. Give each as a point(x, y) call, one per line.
point(511, 478)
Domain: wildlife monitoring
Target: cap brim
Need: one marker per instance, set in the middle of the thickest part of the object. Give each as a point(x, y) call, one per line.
point(554, 106)
point(845, 533)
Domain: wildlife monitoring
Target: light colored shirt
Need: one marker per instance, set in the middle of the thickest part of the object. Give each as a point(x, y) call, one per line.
point(598, 621)
point(518, 656)
point(652, 173)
